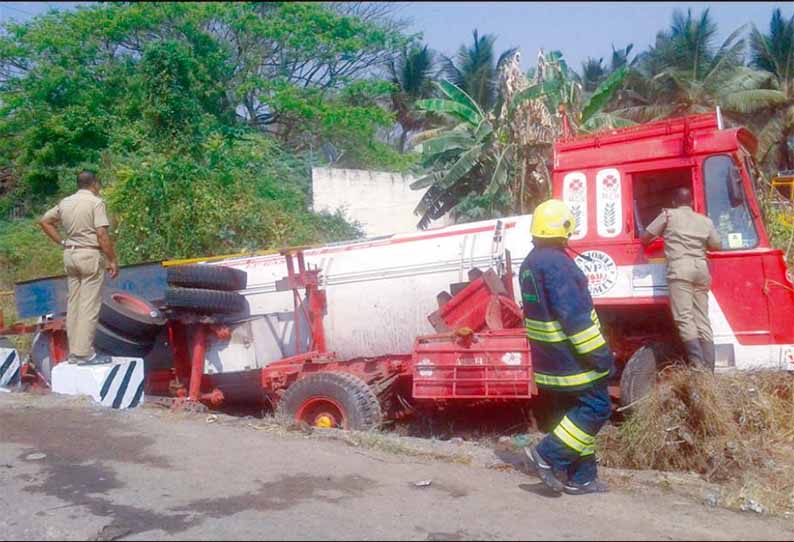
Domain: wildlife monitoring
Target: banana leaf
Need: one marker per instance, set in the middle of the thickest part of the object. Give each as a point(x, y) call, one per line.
point(603, 94)
point(463, 112)
point(456, 94)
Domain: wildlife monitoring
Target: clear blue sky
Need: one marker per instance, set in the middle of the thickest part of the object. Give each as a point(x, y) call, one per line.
point(579, 29)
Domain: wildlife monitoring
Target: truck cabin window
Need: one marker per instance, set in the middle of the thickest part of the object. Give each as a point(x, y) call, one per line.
point(653, 191)
point(726, 203)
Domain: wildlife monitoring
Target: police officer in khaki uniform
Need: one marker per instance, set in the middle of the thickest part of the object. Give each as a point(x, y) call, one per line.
point(687, 235)
point(84, 219)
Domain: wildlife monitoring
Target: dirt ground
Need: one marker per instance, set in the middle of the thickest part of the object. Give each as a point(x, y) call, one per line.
point(71, 470)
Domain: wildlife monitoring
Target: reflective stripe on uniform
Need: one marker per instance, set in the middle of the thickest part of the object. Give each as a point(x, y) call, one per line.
point(588, 340)
point(567, 381)
point(574, 430)
point(547, 332)
point(585, 335)
point(546, 336)
point(573, 437)
point(585, 341)
point(540, 325)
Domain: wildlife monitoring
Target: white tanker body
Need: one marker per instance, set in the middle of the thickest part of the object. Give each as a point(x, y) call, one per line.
point(379, 290)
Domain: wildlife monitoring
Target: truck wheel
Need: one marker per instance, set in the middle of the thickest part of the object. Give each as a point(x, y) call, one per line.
point(115, 344)
point(639, 373)
point(204, 301)
point(210, 277)
point(331, 399)
point(130, 315)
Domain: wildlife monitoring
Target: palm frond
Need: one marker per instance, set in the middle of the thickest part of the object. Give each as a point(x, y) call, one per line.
point(752, 101)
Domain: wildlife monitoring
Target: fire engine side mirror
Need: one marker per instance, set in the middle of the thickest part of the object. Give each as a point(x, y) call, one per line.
point(735, 189)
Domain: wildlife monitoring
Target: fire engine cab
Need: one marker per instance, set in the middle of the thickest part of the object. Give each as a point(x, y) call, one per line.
point(617, 182)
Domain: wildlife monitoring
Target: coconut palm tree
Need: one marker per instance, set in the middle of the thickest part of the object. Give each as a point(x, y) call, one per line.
point(593, 73)
point(773, 107)
point(684, 72)
point(411, 73)
point(474, 68)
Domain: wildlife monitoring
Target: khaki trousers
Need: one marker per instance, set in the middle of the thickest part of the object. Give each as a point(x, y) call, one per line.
point(689, 282)
point(85, 274)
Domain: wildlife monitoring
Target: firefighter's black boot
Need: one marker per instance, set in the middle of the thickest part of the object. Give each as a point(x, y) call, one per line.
point(707, 348)
point(694, 354)
point(593, 486)
point(543, 469)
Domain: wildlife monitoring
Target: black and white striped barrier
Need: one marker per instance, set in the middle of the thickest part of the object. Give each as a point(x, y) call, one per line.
point(118, 384)
point(10, 365)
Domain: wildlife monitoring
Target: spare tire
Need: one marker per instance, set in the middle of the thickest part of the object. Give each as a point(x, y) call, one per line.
point(110, 342)
point(130, 315)
point(640, 372)
point(210, 277)
point(205, 301)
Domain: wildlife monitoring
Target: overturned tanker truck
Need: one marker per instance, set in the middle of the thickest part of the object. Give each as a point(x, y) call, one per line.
point(376, 304)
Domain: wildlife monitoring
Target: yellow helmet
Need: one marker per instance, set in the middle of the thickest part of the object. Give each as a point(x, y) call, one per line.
point(552, 219)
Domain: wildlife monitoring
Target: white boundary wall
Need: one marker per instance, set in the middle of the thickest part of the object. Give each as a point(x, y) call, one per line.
point(381, 201)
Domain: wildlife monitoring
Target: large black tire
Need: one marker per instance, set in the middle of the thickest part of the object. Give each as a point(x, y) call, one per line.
point(210, 277)
point(115, 344)
point(360, 406)
point(130, 316)
point(639, 373)
point(205, 301)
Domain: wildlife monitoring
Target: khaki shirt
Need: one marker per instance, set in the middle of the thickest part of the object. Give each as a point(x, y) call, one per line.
point(80, 214)
point(686, 233)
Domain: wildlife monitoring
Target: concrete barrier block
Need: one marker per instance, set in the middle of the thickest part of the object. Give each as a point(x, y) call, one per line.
point(116, 385)
point(10, 365)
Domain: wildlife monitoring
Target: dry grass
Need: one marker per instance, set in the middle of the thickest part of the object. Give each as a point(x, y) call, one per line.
point(736, 430)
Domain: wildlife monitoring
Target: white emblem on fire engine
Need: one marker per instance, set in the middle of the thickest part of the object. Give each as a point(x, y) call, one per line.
point(574, 194)
point(425, 368)
point(600, 270)
point(511, 358)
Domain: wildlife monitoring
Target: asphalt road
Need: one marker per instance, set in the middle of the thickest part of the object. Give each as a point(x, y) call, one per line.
point(151, 474)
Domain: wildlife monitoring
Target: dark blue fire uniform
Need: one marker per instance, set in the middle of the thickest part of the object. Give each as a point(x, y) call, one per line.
point(570, 358)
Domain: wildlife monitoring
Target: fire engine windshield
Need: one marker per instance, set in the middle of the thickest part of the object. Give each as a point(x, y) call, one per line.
point(726, 203)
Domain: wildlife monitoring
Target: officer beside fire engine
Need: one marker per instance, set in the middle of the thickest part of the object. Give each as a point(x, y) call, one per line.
point(687, 234)
point(571, 359)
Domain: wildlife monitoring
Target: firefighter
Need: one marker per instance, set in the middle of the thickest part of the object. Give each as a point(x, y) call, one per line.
point(87, 251)
point(570, 357)
point(687, 234)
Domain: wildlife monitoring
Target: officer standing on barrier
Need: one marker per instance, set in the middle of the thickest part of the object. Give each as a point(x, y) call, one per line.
point(570, 358)
point(687, 234)
point(85, 222)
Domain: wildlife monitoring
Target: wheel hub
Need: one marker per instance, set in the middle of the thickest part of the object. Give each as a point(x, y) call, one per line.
point(324, 421)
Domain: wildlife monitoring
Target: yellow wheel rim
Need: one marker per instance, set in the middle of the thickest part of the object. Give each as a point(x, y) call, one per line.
point(325, 421)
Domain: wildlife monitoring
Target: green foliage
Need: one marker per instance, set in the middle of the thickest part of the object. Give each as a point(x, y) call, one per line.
point(203, 120)
point(26, 253)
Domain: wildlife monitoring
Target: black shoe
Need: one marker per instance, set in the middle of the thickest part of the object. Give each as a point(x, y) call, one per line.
point(95, 359)
point(593, 486)
point(543, 470)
